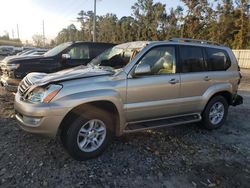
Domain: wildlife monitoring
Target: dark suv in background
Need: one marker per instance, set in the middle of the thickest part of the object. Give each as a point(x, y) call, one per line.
point(63, 56)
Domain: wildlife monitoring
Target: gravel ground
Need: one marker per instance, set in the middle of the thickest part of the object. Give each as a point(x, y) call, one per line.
point(181, 156)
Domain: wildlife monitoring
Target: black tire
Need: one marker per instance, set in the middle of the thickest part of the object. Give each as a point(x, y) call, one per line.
point(71, 138)
point(206, 121)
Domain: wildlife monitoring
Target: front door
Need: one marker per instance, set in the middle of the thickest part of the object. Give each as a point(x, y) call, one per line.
point(155, 94)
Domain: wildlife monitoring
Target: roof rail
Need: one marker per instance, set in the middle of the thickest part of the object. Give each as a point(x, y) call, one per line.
point(194, 41)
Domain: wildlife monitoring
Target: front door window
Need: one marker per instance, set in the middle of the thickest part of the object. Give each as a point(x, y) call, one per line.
point(161, 60)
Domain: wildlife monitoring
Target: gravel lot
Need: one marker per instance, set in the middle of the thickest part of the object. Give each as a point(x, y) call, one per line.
point(181, 156)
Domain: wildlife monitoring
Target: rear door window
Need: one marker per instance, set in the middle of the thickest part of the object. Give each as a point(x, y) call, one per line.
point(217, 59)
point(192, 59)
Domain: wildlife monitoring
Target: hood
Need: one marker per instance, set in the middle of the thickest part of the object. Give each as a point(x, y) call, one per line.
point(68, 74)
point(12, 59)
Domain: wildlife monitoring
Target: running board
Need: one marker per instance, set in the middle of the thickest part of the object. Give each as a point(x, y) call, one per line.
point(162, 122)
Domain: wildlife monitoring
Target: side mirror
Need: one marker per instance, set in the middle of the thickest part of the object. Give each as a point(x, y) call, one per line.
point(66, 56)
point(142, 69)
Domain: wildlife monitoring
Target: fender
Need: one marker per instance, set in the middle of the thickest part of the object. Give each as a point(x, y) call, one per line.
point(214, 89)
point(76, 99)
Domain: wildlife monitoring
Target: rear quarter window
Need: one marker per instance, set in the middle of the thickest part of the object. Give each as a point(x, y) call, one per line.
point(217, 59)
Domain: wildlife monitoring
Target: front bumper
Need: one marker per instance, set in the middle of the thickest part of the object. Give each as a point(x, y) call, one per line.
point(39, 118)
point(9, 83)
point(237, 100)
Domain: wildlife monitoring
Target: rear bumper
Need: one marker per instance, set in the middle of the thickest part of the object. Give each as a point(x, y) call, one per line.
point(237, 100)
point(9, 83)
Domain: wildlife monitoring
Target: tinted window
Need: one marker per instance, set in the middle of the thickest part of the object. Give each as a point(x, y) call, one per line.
point(217, 59)
point(97, 49)
point(57, 49)
point(79, 52)
point(161, 60)
point(192, 59)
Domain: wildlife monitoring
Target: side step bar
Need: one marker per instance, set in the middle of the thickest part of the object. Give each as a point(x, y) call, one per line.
point(162, 122)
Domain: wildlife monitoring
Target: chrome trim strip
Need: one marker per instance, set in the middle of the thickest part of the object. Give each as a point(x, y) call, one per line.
point(160, 126)
point(163, 118)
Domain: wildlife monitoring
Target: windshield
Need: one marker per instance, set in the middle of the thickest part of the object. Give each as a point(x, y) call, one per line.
point(57, 49)
point(115, 57)
point(28, 52)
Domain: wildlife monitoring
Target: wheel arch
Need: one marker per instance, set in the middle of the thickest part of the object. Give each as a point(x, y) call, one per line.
point(100, 104)
point(223, 89)
point(226, 94)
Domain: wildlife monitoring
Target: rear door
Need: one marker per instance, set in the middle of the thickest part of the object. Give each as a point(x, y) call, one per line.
point(195, 78)
point(156, 94)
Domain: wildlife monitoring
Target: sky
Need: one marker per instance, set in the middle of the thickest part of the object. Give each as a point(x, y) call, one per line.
point(57, 14)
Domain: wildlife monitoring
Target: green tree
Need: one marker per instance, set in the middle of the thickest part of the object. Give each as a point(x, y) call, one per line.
point(148, 19)
point(86, 20)
point(241, 39)
point(225, 21)
point(195, 22)
point(106, 28)
point(173, 23)
point(126, 29)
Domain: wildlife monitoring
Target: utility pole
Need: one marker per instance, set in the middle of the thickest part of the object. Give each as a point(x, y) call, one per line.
point(94, 23)
point(17, 29)
point(43, 35)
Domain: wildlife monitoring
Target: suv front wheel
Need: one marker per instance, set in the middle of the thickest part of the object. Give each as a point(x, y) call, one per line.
point(88, 136)
point(215, 113)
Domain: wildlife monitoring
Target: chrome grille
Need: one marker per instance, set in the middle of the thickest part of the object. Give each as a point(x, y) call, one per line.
point(24, 86)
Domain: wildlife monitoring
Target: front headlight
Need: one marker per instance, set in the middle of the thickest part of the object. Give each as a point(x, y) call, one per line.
point(40, 94)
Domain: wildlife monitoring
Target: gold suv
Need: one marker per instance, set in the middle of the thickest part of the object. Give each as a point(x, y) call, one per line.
point(131, 87)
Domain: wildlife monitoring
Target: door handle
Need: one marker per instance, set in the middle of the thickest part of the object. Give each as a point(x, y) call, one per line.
point(173, 81)
point(206, 78)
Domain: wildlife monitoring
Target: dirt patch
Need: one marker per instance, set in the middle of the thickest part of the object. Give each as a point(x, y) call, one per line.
point(181, 156)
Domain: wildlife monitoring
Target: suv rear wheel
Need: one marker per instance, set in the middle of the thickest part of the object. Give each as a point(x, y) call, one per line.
point(215, 113)
point(88, 136)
